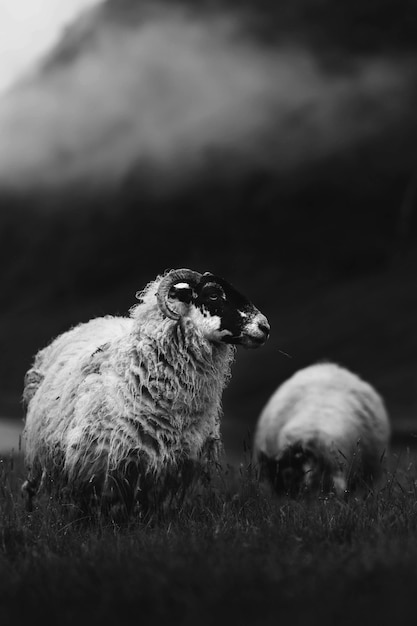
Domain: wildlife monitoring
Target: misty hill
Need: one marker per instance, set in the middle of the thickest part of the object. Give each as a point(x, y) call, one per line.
point(156, 137)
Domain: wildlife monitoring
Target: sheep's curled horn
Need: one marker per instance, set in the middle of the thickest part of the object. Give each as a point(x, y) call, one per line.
point(175, 276)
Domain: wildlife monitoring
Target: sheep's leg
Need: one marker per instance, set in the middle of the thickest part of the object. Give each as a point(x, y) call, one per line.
point(31, 487)
point(212, 450)
point(340, 484)
point(190, 472)
point(118, 496)
point(269, 473)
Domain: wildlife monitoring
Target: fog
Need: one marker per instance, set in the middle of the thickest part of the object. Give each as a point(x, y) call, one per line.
point(29, 29)
point(167, 90)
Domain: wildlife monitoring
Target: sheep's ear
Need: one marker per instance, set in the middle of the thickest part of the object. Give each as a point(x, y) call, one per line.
point(182, 292)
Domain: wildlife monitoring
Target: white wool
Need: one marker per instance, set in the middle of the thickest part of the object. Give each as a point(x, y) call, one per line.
point(143, 389)
point(331, 412)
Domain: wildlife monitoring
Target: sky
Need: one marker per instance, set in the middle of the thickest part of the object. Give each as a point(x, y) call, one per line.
point(28, 29)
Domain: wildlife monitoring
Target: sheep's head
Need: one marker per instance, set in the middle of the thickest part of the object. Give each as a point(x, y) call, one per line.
point(302, 468)
point(220, 312)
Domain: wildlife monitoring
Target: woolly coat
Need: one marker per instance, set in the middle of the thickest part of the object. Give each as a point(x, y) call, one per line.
point(114, 391)
point(332, 413)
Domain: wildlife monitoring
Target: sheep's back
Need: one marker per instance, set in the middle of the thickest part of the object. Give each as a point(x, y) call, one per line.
point(58, 370)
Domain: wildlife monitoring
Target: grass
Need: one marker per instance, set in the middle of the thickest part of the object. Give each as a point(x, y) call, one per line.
point(231, 553)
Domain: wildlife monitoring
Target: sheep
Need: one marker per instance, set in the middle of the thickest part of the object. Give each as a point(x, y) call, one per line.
point(116, 405)
point(323, 429)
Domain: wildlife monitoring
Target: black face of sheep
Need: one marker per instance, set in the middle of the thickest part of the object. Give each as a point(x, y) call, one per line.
point(215, 306)
point(297, 471)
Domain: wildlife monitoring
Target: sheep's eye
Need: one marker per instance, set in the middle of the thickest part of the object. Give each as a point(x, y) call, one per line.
point(213, 296)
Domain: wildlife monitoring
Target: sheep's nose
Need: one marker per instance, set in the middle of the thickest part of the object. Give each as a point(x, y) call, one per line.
point(264, 327)
point(256, 331)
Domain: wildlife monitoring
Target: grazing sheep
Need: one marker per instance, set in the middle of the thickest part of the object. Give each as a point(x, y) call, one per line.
point(119, 404)
point(324, 428)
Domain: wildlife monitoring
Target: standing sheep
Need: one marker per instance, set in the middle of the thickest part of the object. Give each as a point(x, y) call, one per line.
point(116, 404)
point(324, 428)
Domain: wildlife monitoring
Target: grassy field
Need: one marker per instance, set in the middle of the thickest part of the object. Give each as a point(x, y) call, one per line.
point(230, 554)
